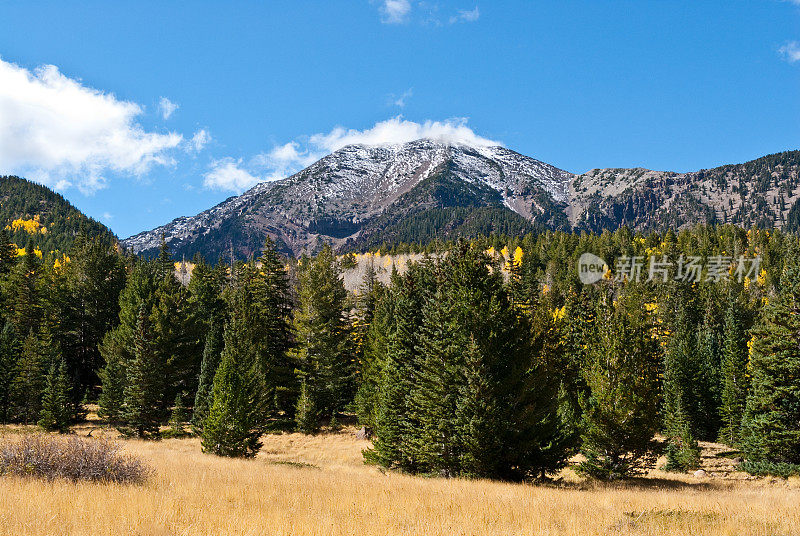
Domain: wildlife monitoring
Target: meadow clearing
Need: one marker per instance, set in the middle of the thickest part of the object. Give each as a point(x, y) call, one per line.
point(318, 485)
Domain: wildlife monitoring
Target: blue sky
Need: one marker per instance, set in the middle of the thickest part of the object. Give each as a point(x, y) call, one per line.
point(153, 110)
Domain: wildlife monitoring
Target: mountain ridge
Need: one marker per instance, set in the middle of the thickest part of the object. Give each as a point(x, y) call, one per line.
point(361, 196)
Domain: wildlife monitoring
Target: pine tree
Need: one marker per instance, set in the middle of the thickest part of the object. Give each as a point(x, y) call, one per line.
point(208, 368)
point(771, 427)
point(620, 414)
point(322, 333)
point(273, 304)
point(366, 340)
point(306, 414)
point(680, 370)
point(476, 416)
point(29, 381)
point(373, 359)
point(112, 396)
point(394, 363)
point(681, 400)
point(683, 451)
point(175, 338)
point(85, 302)
point(8, 252)
point(8, 369)
point(735, 382)
point(237, 415)
point(56, 406)
point(709, 381)
point(144, 393)
point(25, 296)
point(118, 345)
point(434, 397)
point(471, 397)
point(178, 417)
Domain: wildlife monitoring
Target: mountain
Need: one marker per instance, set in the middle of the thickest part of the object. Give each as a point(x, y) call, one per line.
point(359, 194)
point(363, 196)
point(30, 211)
point(763, 193)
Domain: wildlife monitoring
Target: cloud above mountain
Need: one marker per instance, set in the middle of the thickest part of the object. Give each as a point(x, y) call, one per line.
point(286, 159)
point(790, 51)
point(62, 133)
point(395, 11)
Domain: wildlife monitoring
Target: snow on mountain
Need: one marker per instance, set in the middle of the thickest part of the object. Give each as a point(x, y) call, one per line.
point(351, 186)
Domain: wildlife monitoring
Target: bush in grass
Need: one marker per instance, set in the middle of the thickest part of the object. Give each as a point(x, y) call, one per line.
point(71, 458)
point(764, 468)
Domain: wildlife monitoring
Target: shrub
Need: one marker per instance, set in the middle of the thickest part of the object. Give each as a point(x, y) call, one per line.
point(70, 458)
point(683, 451)
point(764, 468)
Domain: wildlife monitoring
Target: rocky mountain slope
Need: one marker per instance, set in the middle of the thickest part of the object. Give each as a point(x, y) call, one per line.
point(359, 192)
point(364, 196)
point(763, 192)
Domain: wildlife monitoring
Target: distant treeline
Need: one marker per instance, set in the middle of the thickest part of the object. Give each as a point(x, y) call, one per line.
point(470, 363)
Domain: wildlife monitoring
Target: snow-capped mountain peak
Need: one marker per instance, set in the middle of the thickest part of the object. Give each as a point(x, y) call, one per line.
point(336, 196)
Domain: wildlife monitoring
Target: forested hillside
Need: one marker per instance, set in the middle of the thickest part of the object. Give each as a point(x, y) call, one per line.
point(32, 212)
point(475, 361)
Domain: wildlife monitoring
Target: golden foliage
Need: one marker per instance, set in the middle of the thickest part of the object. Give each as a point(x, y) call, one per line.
point(32, 226)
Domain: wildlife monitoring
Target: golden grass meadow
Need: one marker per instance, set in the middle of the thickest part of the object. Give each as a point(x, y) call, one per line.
point(318, 485)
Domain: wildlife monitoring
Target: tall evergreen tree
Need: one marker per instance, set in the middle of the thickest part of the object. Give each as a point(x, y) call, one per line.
point(56, 405)
point(473, 397)
point(237, 415)
point(771, 428)
point(8, 370)
point(395, 361)
point(25, 293)
point(372, 357)
point(322, 333)
point(436, 444)
point(86, 307)
point(273, 312)
point(144, 410)
point(620, 413)
point(208, 368)
point(306, 414)
point(735, 381)
point(8, 252)
point(709, 357)
point(113, 381)
point(29, 381)
point(681, 399)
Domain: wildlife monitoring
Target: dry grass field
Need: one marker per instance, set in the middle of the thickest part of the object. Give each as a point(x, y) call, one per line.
point(319, 485)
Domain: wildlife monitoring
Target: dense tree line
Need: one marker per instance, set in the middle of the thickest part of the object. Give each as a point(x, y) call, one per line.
point(481, 360)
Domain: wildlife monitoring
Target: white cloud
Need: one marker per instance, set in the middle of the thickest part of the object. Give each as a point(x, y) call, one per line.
point(108, 216)
point(398, 130)
point(395, 11)
point(166, 107)
point(400, 101)
point(284, 160)
point(468, 15)
point(227, 174)
point(59, 132)
point(200, 139)
point(790, 51)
